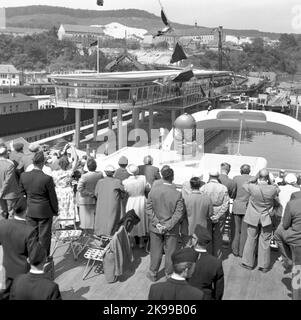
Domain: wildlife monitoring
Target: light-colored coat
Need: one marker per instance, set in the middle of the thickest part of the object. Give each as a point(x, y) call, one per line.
point(261, 202)
point(9, 188)
point(86, 187)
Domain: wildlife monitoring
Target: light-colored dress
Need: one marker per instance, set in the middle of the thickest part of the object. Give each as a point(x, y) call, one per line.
point(66, 199)
point(135, 186)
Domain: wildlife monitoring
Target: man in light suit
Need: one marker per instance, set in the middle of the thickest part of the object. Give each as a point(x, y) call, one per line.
point(42, 201)
point(261, 202)
point(199, 207)
point(17, 239)
point(86, 195)
point(9, 189)
point(288, 232)
point(165, 210)
point(240, 204)
point(219, 197)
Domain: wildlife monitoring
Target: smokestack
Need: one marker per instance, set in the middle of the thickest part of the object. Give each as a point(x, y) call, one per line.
point(2, 18)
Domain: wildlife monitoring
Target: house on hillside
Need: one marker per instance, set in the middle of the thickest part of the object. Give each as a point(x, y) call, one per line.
point(9, 75)
point(81, 34)
point(17, 102)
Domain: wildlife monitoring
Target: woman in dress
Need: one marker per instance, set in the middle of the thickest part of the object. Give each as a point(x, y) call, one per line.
point(86, 199)
point(135, 188)
point(64, 190)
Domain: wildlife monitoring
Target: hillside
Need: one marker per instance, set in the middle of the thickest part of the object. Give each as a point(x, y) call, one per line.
point(45, 17)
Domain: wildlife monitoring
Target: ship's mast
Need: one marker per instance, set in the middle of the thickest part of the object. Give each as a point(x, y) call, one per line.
point(220, 49)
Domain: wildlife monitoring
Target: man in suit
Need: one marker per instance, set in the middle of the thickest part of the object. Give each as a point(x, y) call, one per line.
point(42, 201)
point(208, 275)
point(219, 197)
point(35, 285)
point(288, 232)
point(9, 189)
point(176, 287)
point(17, 239)
point(240, 204)
point(150, 172)
point(165, 210)
point(262, 195)
point(199, 207)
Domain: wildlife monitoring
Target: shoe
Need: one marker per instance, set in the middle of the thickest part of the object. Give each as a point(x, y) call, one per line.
point(245, 266)
point(151, 277)
point(264, 270)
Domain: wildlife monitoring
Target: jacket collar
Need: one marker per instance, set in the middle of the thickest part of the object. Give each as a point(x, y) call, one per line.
point(174, 281)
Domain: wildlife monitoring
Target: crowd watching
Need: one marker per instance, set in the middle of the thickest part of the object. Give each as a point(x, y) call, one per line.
point(187, 224)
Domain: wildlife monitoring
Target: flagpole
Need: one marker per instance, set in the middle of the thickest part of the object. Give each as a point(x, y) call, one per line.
point(97, 54)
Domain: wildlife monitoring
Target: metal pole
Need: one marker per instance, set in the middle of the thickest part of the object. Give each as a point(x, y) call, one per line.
point(77, 127)
point(97, 55)
point(239, 140)
point(220, 49)
point(150, 122)
point(95, 122)
point(119, 126)
point(110, 116)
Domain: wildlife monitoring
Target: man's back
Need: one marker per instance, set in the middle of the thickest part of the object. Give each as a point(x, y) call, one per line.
point(164, 199)
point(34, 287)
point(292, 216)
point(16, 238)
point(40, 191)
point(242, 196)
point(25, 161)
point(150, 172)
point(174, 290)
point(121, 174)
point(261, 201)
point(9, 188)
point(199, 208)
point(208, 276)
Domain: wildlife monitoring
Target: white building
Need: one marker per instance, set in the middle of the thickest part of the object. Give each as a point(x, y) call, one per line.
point(9, 75)
point(80, 34)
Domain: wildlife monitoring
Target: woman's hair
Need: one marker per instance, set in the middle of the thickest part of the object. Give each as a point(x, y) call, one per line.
point(91, 164)
point(64, 163)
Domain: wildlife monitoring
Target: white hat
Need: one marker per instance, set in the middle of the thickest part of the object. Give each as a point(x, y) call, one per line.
point(3, 150)
point(290, 178)
point(132, 169)
point(109, 168)
point(34, 147)
point(214, 173)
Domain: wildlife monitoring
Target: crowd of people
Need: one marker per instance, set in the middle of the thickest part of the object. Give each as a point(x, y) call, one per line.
point(186, 224)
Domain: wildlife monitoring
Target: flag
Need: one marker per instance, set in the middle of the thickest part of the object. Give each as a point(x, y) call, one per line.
point(184, 76)
point(178, 54)
point(94, 43)
point(163, 17)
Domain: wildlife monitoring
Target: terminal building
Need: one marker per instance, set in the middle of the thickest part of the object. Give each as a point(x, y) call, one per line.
point(138, 91)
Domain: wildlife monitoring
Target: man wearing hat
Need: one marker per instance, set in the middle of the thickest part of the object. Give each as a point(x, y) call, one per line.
point(219, 197)
point(208, 275)
point(109, 192)
point(280, 180)
point(35, 285)
point(16, 155)
point(9, 189)
point(121, 173)
point(176, 287)
point(27, 158)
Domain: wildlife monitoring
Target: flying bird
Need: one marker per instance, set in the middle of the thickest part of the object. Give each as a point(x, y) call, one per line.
point(168, 27)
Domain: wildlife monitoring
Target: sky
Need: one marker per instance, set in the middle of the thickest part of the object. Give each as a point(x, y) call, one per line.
point(264, 15)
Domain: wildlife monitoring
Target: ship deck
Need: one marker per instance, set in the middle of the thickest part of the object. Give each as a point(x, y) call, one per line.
point(240, 284)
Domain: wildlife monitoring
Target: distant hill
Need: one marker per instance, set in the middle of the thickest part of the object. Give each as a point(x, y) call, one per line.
point(45, 17)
